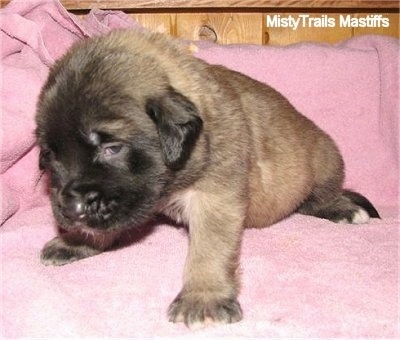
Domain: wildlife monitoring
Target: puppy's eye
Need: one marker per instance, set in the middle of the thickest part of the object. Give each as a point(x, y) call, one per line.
point(111, 149)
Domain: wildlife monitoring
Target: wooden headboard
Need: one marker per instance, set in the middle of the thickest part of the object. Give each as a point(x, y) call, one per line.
point(255, 21)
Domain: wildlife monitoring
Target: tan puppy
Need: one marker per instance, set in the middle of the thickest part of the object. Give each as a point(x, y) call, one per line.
point(130, 125)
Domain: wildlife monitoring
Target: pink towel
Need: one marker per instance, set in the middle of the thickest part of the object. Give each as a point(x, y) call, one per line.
point(303, 277)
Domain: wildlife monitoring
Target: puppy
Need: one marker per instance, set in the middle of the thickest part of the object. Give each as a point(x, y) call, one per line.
point(130, 125)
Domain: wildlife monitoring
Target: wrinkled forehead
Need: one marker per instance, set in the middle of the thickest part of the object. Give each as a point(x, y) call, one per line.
point(95, 93)
point(109, 114)
point(122, 128)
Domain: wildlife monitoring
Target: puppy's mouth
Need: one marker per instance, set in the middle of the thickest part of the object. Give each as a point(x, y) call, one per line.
point(88, 211)
point(95, 211)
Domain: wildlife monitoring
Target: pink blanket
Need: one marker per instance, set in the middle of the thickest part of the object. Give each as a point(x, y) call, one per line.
point(303, 277)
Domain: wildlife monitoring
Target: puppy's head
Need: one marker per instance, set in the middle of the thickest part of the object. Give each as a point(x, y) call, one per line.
point(113, 136)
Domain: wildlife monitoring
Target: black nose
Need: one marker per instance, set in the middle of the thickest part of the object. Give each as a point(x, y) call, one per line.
point(74, 201)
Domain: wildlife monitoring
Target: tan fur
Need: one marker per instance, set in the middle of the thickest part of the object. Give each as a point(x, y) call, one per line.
point(256, 161)
point(261, 170)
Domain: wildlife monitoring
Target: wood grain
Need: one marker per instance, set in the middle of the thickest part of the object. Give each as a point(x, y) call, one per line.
point(233, 3)
point(223, 4)
point(393, 30)
point(157, 22)
point(285, 36)
point(229, 28)
point(244, 25)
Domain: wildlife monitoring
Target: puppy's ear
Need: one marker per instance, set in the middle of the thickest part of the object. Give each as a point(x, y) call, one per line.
point(44, 156)
point(178, 124)
point(42, 162)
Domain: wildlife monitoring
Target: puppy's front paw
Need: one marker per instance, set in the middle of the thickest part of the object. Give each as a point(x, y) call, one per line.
point(58, 252)
point(196, 311)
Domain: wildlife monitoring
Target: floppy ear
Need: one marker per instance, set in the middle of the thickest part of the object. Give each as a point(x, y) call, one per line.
point(178, 124)
point(44, 156)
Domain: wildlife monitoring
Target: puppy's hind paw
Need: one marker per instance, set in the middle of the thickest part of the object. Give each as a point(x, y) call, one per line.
point(359, 216)
point(58, 252)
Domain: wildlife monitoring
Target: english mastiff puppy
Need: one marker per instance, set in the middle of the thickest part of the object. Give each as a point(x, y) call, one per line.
point(130, 125)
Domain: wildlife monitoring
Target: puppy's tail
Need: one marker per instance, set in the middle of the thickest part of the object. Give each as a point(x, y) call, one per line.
point(362, 202)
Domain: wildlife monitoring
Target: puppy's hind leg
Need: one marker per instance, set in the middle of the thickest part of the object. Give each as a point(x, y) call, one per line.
point(340, 206)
